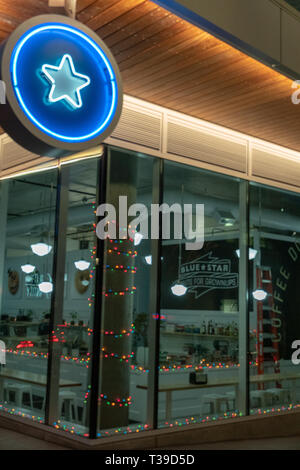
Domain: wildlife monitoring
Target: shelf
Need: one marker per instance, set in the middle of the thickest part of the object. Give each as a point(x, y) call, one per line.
point(199, 335)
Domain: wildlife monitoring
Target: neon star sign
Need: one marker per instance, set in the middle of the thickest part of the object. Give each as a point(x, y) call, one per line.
point(64, 88)
point(66, 82)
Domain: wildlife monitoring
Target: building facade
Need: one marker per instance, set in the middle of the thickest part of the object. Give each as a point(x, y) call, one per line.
point(118, 336)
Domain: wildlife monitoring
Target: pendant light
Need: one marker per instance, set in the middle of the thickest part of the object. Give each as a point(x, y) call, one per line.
point(178, 288)
point(41, 248)
point(252, 253)
point(82, 264)
point(46, 287)
point(259, 294)
point(27, 268)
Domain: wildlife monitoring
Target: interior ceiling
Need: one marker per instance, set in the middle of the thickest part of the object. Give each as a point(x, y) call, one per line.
point(294, 3)
point(169, 62)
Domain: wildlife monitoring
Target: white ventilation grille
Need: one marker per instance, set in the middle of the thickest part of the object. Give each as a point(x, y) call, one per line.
point(275, 167)
point(206, 147)
point(139, 128)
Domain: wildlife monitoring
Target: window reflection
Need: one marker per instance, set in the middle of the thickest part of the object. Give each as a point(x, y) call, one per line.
point(76, 328)
point(28, 214)
point(199, 354)
point(274, 324)
point(125, 309)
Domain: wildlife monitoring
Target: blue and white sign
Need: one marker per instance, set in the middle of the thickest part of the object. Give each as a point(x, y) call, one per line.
point(63, 84)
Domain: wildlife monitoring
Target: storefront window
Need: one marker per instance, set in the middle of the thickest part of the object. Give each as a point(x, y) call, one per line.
point(200, 317)
point(199, 334)
point(125, 307)
point(76, 328)
point(274, 307)
point(26, 255)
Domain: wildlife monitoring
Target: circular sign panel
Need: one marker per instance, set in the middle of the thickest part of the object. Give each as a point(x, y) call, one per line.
point(63, 86)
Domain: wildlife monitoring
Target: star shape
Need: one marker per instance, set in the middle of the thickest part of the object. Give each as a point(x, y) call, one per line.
point(66, 82)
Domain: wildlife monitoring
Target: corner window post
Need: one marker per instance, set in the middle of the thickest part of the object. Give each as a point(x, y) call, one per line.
point(244, 300)
point(61, 219)
point(154, 307)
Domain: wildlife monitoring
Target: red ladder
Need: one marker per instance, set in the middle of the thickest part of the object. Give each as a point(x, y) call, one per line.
point(266, 355)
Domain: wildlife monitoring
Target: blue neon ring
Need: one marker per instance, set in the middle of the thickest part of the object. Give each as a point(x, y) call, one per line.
point(25, 109)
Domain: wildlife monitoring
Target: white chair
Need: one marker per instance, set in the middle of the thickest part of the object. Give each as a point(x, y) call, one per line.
point(260, 398)
point(280, 395)
point(215, 402)
point(19, 390)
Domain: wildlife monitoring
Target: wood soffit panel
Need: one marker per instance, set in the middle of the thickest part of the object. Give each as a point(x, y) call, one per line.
point(170, 62)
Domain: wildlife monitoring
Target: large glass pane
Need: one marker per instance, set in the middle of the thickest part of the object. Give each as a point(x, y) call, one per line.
point(26, 254)
point(274, 316)
point(125, 308)
point(76, 328)
point(199, 334)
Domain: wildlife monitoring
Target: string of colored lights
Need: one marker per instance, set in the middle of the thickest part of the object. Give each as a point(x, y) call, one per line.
point(85, 360)
point(118, 268)
point(120, 292)
point(14, 412)
point(115, 251)
point(175, 423)
point(93, 252)
point(121, 357)
point(124, 332)
point(118, 402)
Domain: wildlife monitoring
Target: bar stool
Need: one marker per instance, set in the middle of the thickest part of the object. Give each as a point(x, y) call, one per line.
point(215, 402)
point(231, 398)
point(81, 411)
point(67, 403)
point(262, 397)
point(19, 390)
point(280, 395)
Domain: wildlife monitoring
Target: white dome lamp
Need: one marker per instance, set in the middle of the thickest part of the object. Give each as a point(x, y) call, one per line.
point(27, 268)
point(179, 289)
point(260, 295)
point(46, 287)
point(138, 237)
point(41, 249)
point(148, 259)
point(82, 265)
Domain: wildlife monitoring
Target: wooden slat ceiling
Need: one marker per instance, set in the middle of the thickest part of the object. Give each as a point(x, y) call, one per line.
point(167, 61)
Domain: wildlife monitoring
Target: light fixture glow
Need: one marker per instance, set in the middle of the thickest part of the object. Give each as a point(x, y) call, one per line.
point(82, 265)
point(138, 237)
point(41, 249)
point(27, 268)
point(148, 259)
point(112, 80)
point(179, 290)
point(66, 82)
point(46, 287)
point(252, 253)
point(260, 294)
